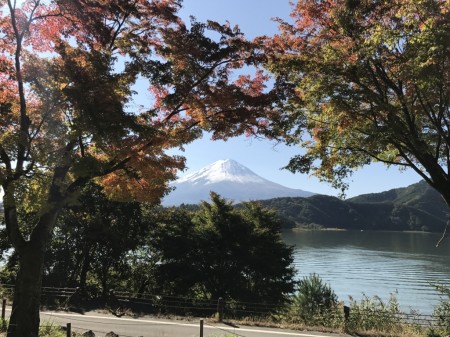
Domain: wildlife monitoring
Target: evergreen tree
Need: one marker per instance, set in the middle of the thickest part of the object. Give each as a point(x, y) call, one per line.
point(314, 302)
point(219, 251)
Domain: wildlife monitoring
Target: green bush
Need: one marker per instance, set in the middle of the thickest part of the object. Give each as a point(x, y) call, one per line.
point(441, 314)
point(315, 303)
point(373, 314)
point(49, 329)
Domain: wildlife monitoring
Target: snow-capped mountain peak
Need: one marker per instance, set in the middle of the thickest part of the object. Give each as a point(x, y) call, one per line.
point(221, 171)
point(229, 179)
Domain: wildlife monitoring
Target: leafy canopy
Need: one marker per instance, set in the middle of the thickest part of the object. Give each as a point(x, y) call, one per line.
point(66, 99)
point(367, 81)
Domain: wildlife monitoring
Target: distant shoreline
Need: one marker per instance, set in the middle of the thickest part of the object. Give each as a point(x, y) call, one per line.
point(335, 229)
point(312, 229)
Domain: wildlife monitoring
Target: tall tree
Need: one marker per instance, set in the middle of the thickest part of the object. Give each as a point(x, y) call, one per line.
point(94, 235)
point(367, 81)
point(219, 251)
point(67, 114)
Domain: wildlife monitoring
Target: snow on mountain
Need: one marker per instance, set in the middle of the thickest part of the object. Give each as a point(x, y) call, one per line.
point(229, 179)
point(222, 170)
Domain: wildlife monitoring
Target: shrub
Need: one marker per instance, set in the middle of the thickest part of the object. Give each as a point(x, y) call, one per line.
point(441, 314)
point(315, 303)
point(50, 330)
point(372, 314)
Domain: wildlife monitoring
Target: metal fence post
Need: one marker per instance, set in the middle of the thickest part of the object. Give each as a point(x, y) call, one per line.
point(201, 328)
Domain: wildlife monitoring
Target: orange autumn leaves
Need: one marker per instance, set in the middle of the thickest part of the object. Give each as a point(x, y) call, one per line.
point(353, 76)
point(76, 62)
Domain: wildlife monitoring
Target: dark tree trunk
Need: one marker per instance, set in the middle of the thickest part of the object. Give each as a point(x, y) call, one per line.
point(24, 321)
point(104, 279)
point(86, 266)
point(144, 283)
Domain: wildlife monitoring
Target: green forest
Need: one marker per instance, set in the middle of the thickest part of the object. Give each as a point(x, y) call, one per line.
point(414, 208)
point(417, 207)
point(215, 251)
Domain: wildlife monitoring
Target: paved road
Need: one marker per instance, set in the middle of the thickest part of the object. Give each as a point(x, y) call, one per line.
point(101, 324)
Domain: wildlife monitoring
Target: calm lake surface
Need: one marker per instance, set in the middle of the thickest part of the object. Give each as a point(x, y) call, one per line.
point(375, 263)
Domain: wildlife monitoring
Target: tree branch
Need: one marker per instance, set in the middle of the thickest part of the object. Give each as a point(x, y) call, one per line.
point(444, 234)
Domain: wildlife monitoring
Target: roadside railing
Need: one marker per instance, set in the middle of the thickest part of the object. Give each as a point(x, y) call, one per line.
point(121, 302)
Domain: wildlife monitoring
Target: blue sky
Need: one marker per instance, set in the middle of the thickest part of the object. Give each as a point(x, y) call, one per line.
point(261, 156)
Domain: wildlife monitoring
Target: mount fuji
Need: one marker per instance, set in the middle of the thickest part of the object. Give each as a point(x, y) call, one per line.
point(229, 179)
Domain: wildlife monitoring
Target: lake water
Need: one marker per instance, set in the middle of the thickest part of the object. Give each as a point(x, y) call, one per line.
point(375, 263)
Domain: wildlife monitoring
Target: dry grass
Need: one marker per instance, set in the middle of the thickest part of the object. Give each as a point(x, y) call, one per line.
point(407, 332)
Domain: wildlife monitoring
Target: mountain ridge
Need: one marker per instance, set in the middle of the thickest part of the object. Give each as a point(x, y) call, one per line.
point(417, 207)
point(231, 180)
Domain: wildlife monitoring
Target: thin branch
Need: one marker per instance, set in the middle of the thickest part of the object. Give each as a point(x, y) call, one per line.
point(444, 234)
point(195, 84)
point(24, 120)
point(80, 142)
point(39, 17)
point(435, 120)
point(415, 168)
point(377, 158)
point(5, 159)
point(117, 32)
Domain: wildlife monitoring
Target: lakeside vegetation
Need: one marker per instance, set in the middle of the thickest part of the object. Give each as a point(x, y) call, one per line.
point(158, 250)
point(186, 253)
point(315, 307)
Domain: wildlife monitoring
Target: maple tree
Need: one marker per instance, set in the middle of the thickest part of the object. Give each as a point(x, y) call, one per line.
point(67, 114)
point(367, 81)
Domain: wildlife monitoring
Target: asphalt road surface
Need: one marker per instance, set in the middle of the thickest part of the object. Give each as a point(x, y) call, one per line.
point(102, 323)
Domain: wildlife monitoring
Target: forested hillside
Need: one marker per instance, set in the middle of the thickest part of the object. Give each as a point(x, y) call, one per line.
point(416, 207)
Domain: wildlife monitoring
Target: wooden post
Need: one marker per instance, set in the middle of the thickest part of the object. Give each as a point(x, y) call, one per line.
point(4, 314)
point(346, 313)
point(69, 330)
point(220, 305)
point(4, 309)
point(201, 328)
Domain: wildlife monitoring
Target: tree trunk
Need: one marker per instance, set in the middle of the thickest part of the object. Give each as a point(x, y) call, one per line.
point(103, 275)
point(24, 321)
point(86, 266)
point(144, 283)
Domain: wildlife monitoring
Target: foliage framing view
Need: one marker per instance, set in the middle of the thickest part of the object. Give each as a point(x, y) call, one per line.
point(67, 115)
point(368, 81)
